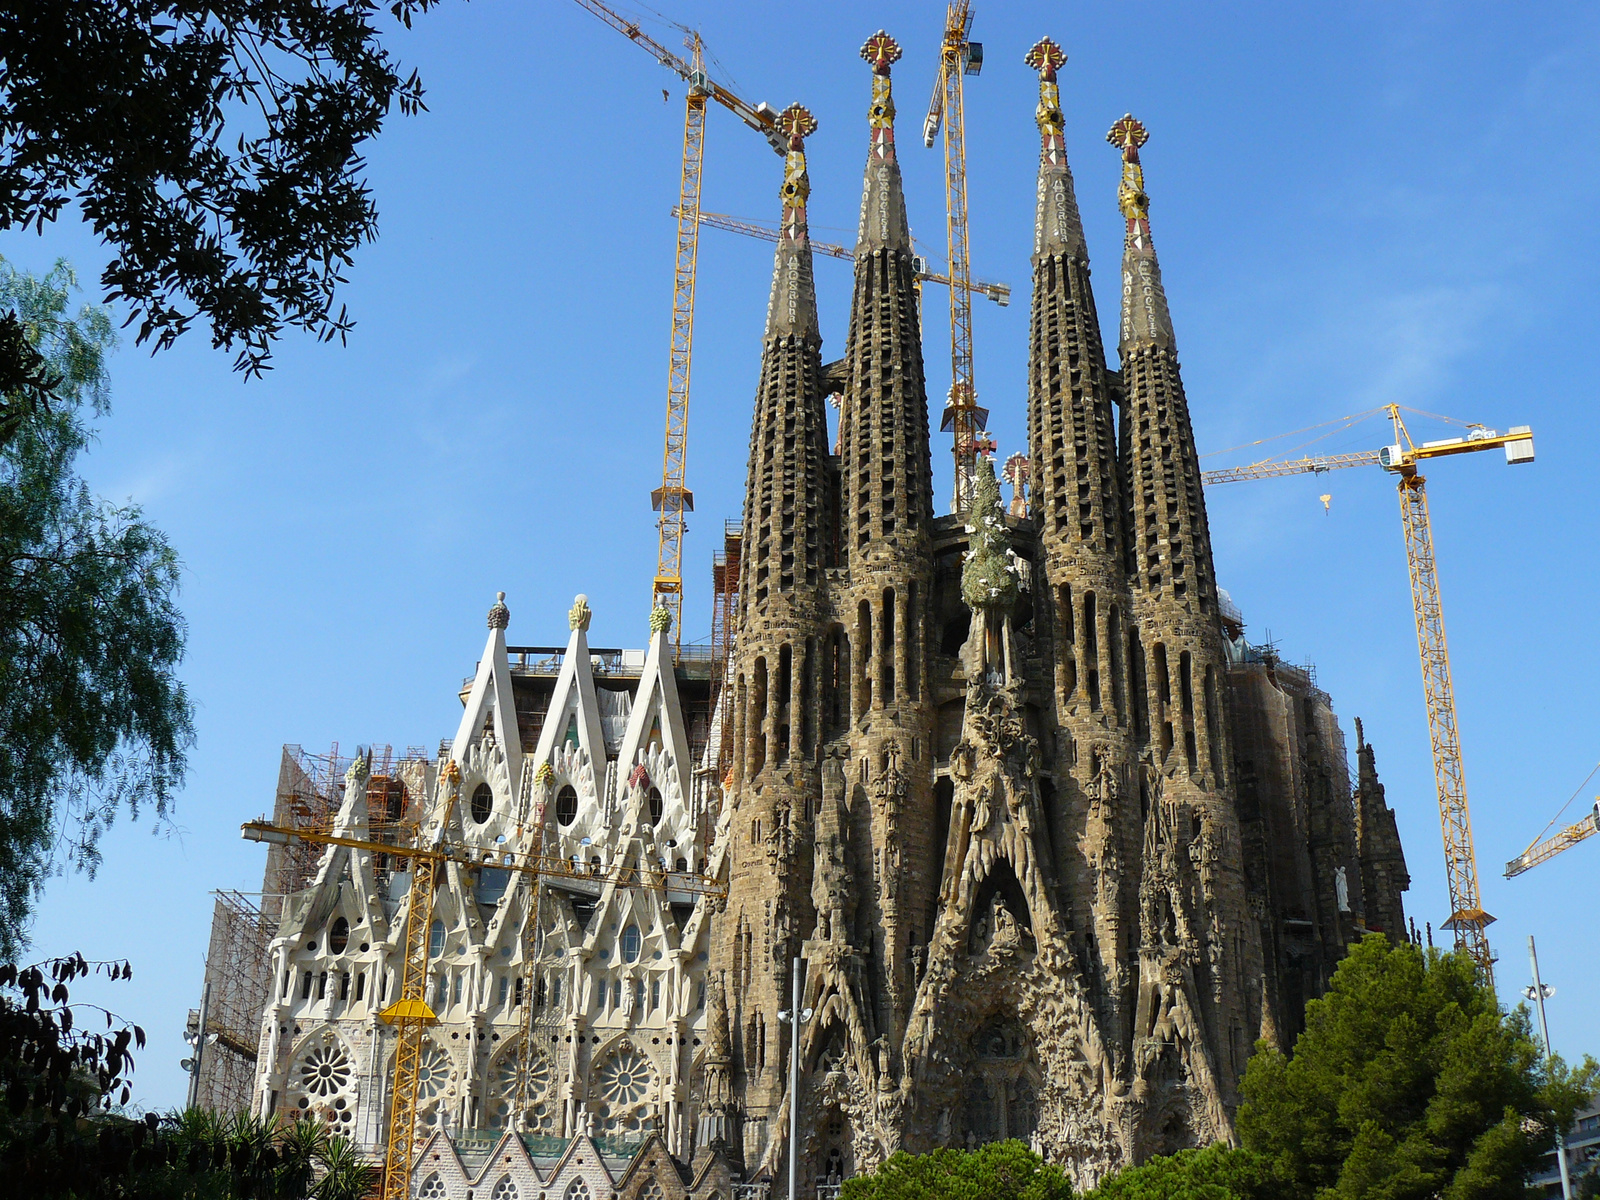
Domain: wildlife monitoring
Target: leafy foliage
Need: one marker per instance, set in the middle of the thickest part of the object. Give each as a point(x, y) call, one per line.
point(49, 1062)
point(216, 146)
point(1215, 1173)
point(998, 1171)
point(92, 716)
point(1408, 1083)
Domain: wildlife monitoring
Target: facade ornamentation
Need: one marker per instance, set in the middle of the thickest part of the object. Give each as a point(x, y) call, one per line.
point(1055, 843)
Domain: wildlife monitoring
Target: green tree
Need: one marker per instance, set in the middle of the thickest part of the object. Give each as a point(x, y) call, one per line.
point(1408, 1083)
point(93, 718)
point(216, 146)
point(1215, 1173)
point(998, 1171)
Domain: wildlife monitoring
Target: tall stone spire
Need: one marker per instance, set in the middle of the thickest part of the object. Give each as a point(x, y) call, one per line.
point(886, 492)
point(788, 436)
point(885, 468)
point(1188, 764)
point(1383, 861)
point(783, 617)
point(1090, 797)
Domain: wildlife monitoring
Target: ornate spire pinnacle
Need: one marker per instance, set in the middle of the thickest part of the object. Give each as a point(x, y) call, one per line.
point(794, 302)
point(499, 614)
point(579, 614)
point(1128, 135)
point(1058, 228)
point(1144, 301)
point(883, 206)
point(797, 124)
point(881, 51)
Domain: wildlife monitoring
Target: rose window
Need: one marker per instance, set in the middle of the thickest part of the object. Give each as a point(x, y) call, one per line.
point(433, 1072)
point(326, 1070)
point(508, 1090)
point(624, 1078)
point(622, 1084)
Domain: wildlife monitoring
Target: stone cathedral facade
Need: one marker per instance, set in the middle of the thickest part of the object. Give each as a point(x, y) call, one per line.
point(1054, 843)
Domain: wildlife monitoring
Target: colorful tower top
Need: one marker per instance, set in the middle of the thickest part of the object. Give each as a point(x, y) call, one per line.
point(793, 310)
point(1145, 318)
point(883, 206)
point(1058, 227)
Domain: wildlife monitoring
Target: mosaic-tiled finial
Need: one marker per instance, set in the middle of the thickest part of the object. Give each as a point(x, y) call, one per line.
point(797, 125)
point(881, 50)
point(1046, 58)
point(499, 614)
point(579, 615)
point(1128, 135)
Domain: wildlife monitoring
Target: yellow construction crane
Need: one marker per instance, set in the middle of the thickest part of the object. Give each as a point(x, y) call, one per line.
point(673, 498)
point(958, 57)
point(1551, 846)
point(1000, 293)
point(1467, 918)
point(409, 1013)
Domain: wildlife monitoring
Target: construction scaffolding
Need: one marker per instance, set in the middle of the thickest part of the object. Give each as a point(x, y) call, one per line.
point(226, 1030)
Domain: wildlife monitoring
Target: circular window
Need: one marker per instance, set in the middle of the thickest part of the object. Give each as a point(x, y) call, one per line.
point(325, 1071)
point(338, 936)
point(482, 802)
point(631, 942)
point(655, 806)
point(566, 804)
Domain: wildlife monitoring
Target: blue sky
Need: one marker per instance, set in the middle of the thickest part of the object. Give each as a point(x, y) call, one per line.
point(1354, 205)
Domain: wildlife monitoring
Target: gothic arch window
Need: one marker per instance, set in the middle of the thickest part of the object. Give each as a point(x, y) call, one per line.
point(504, 1190)
point(653, 1191)
point(432, 1188)
point(577, 1190)
point(338, 936)
point(567, 804)
point(436, 939)
point(482, 803)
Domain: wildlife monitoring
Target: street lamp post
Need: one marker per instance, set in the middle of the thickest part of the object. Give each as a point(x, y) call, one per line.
point(796, 1018)
point(1537, 993)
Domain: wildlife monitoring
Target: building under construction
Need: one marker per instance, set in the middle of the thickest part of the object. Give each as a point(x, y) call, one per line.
point(1040, 840)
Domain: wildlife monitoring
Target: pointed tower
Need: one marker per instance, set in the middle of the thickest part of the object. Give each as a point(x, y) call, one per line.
point(886, 505)
point(1193, 907)
point(782, 623)
point(1383, 861)
point(1090, 798)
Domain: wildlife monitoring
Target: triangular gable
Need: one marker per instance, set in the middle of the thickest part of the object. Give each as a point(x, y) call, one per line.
point(491, 692)
point(574, 693)
point(657, 696)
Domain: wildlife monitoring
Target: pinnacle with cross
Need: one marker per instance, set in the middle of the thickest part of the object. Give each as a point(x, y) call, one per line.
point(797, 124)
point(880, 51)
point(1128, 135)
point(1045, 57)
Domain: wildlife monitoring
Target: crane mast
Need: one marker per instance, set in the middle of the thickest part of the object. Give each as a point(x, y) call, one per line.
point(963, 418)
point(1467, 920)
point(673, 498)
